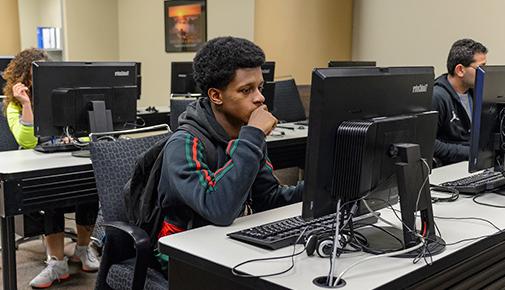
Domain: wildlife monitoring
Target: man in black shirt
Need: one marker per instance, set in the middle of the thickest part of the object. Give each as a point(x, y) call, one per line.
point(452, 98)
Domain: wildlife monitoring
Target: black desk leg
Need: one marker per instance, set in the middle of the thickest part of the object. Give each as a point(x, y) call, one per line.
point(8, 253)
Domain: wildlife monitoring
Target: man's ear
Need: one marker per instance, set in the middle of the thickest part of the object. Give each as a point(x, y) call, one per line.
point(215, 96)
point(459, 70)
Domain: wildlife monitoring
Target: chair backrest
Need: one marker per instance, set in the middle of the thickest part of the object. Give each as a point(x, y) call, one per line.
point(177, 107)
point(288, 106)
point(113, 164)
point(7, 141)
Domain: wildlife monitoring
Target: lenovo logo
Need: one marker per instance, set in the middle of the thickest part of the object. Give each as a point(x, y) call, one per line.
point(420, 88)
point(121, 73)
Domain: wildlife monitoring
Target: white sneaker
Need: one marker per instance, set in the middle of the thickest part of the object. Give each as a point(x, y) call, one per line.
point(87, 257)
point(56, 270)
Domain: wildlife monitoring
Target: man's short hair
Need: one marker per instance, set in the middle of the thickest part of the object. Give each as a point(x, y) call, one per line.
point(216, 62)
point(462, 52)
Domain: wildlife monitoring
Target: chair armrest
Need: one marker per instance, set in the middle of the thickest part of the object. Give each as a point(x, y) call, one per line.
point(143, 252)
point(139, 236)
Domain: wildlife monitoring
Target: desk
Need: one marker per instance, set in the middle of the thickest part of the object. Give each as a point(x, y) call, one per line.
point(31, 181)
point(151, 118)
point(203, 257)
point(288, 150)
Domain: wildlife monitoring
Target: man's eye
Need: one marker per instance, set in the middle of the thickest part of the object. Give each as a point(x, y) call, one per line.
point(261, 89)
point(246, 91)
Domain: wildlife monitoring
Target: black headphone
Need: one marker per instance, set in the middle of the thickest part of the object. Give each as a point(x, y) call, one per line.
point(321, 243)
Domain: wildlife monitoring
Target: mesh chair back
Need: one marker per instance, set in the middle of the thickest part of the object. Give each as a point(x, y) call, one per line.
point(113, 164)
point(288, 106)
point(7, 141)
point(177, 107)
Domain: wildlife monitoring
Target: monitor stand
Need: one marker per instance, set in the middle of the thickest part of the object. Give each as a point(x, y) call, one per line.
point(100, 120)
point(412, 174)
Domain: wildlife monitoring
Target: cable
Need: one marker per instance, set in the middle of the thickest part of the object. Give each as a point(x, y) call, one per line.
point(456, 218)
point(106, 137)
point(487, 204)
point(74, 141)
point(444, 189)
point(402, 252)
point(424, 182)
point(336, 243)
point(469, 218)
point(292, 256)
point(378, 216)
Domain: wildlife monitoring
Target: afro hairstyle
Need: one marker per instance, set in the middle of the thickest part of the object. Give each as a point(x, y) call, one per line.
point(216, 62)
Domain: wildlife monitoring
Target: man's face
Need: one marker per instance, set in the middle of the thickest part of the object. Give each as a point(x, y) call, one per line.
point(242, 95)
point(469, 71)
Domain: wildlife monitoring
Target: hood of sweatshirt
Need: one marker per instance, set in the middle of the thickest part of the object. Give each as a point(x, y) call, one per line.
point(199, 114)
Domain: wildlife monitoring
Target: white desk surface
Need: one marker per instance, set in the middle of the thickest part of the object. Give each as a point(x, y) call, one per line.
point(211, 242)
point(297, 131)
point(18, 161)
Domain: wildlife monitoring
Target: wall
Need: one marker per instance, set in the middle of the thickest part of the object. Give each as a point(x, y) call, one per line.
point(398, 32)
point(300, 35)
point(91, 29)
point(34, 13)
point(9, 22)
point(141, 38)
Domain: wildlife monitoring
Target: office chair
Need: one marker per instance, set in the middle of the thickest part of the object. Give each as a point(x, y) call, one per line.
point(177, 107)
point(288, 106)
point(7, 141)
point(126, 252)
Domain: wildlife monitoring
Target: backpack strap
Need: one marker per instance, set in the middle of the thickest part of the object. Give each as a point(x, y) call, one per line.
point(209, 147)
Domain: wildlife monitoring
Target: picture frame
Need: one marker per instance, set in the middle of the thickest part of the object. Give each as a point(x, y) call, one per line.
point(185, 25)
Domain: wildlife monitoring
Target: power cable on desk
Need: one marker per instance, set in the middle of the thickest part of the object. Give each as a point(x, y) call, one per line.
point(292, 256)
point(462, 218)
point(487, 204)
point(469, 218)
point(454, 193)
point(365, 195)
point(405, 251)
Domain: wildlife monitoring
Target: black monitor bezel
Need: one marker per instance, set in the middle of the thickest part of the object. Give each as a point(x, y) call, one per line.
point(351, 63)
point(56, 75)
point(317, 200)
point(488, 100)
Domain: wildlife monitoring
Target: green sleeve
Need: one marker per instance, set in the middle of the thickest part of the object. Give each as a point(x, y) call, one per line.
point(24, 134)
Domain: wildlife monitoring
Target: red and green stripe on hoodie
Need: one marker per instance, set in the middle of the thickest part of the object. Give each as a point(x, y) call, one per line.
point(244, 174)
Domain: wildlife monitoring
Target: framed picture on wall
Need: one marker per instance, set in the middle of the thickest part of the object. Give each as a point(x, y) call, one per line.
point(185, 25)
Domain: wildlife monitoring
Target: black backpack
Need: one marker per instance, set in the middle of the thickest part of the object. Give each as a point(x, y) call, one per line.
point(141, 191)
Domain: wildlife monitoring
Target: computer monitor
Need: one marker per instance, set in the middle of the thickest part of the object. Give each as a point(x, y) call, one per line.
point(139, 79)
point(345, 63)
point(268, 70)
point(368, 130)
point(269, 94)
point(288, 106)
point(487, 145)
point(182, 81)
point(83, 96)
point(4, 62)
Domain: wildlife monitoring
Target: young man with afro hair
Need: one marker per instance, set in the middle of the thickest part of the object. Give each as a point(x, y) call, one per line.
point(231, 115)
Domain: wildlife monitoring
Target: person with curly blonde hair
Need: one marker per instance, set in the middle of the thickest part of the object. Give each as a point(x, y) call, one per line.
point(19, 112)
